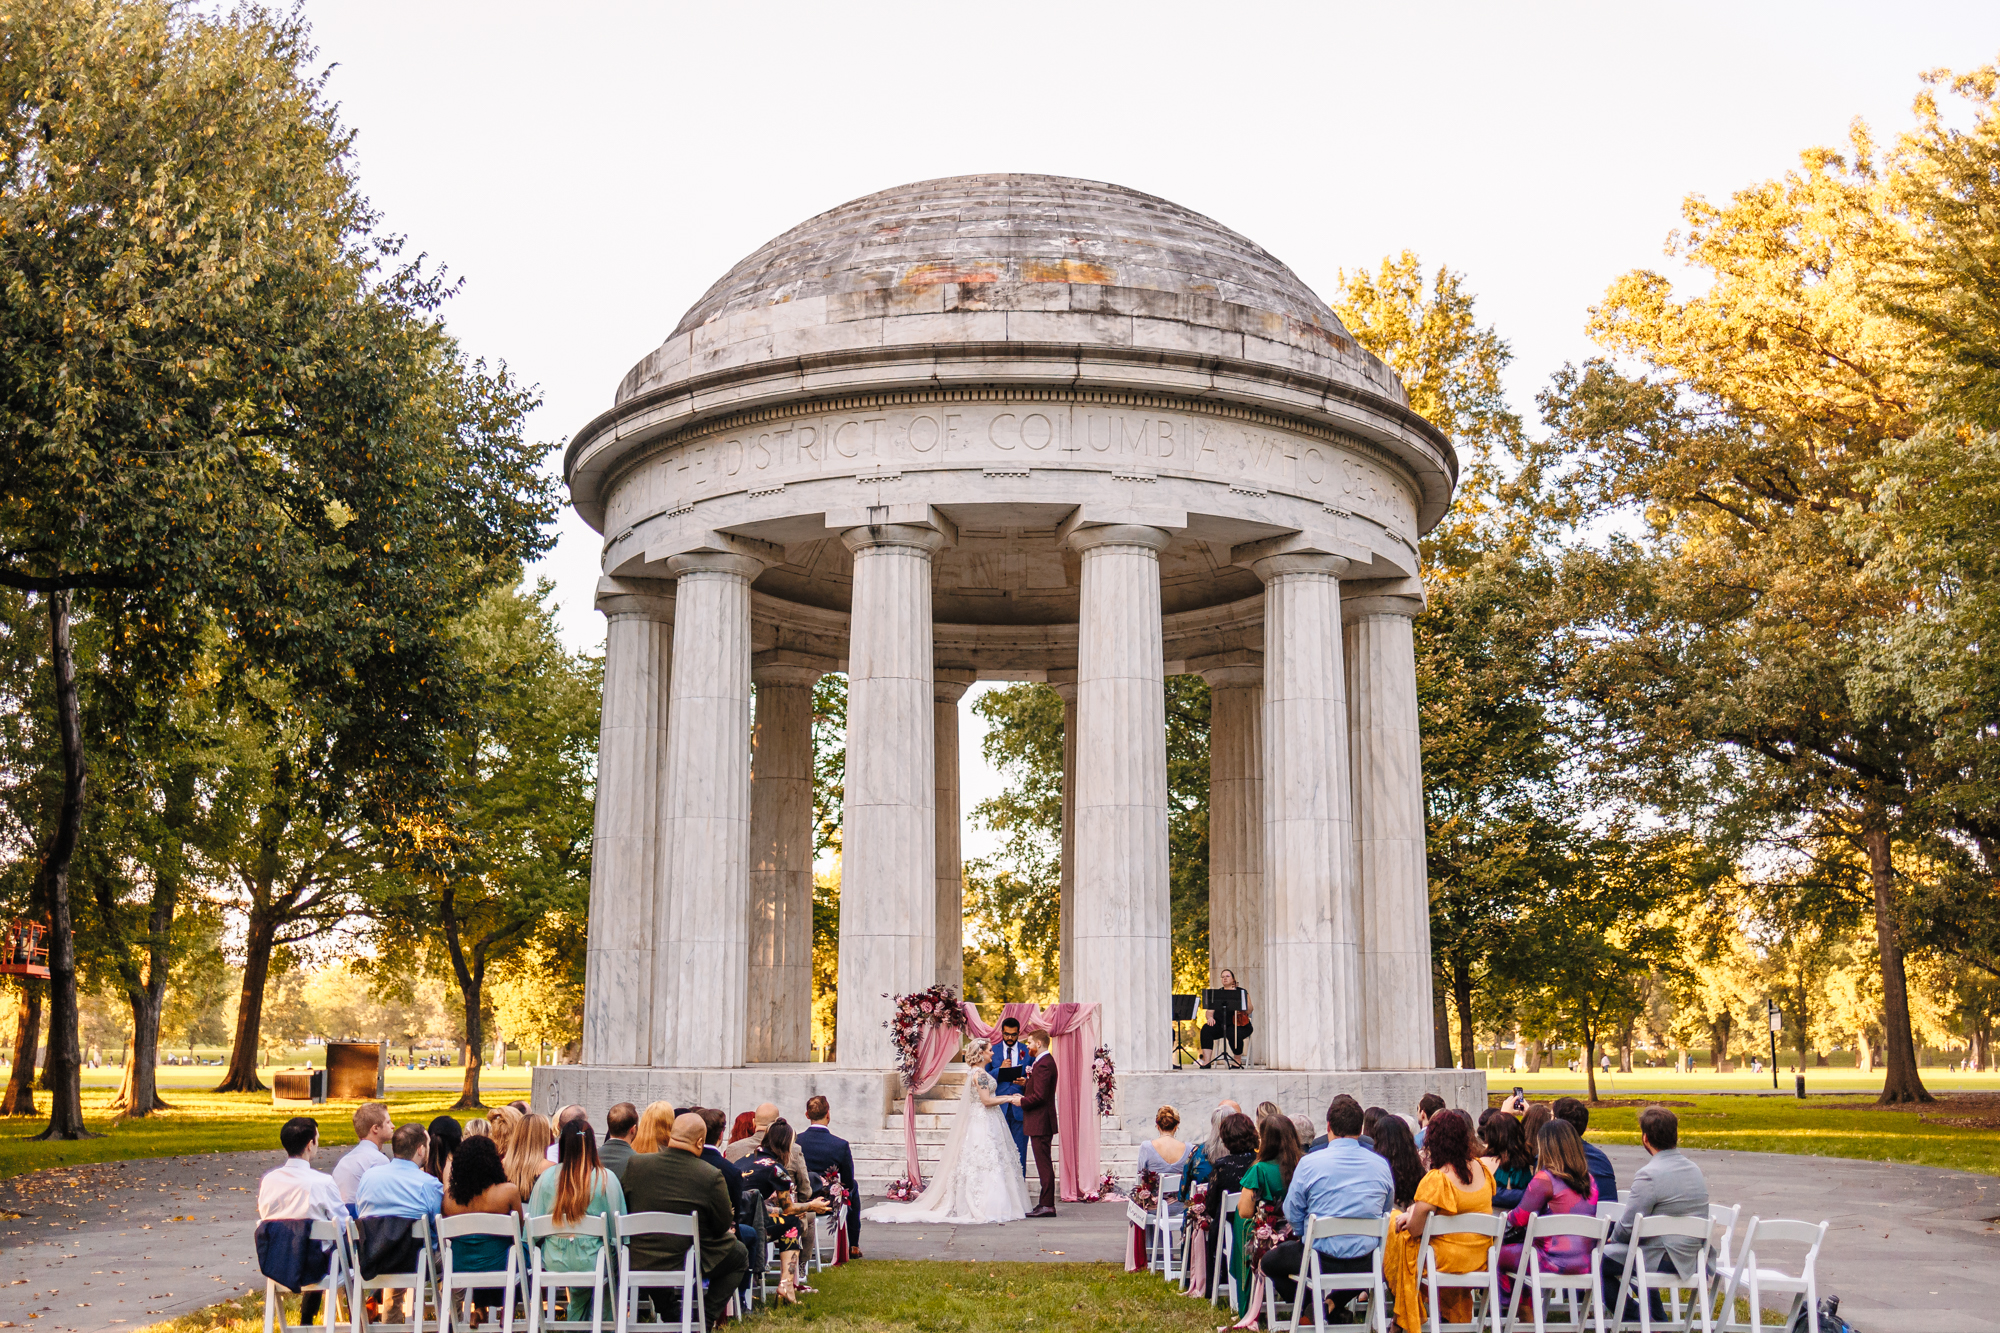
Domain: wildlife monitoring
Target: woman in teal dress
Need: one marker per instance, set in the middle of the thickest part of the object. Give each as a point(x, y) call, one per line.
point(579, 1187)
point(479, 1184)
point(1263, 1190)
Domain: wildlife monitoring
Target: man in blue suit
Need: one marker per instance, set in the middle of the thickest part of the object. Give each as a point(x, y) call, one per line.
point(1011, 1052)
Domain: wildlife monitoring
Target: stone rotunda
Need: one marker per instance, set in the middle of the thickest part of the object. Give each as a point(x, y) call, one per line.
point(1006, 427)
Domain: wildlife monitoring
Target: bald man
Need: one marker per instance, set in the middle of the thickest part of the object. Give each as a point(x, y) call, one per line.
point(763, 1118)
point(677, 1180)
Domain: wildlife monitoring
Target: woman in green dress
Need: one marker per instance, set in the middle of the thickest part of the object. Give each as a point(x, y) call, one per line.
point(578, 1187)
point(1262, 1194)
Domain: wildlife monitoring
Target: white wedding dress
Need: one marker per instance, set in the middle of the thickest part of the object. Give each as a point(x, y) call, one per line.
point(978, 1179)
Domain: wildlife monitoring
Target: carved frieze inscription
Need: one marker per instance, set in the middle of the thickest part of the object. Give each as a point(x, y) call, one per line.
point(1080, 436)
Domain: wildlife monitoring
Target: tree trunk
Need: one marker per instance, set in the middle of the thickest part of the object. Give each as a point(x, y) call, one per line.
point(65, 1063)
point(1535, 1056)
point(1718, 1033)
point(1625, 1049)
point(20, 1096)
point(1901, 1084)
point(1590, 1063)
point(1864, 1052)
point(1461, 998)
point(257, 946)
point(139, 1093)
point(471, 977)
point(1440, 1028)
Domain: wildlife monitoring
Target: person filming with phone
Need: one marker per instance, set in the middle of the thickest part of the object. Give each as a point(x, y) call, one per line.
point(1230, 1022)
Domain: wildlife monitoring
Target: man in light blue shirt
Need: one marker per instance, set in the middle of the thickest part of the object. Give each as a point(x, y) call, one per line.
point(401, 1187)
point(1343, 1179)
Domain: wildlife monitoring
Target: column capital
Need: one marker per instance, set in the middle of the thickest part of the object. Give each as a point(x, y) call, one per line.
point(745, 567)
point(1117, 534)
point(785, 666)
point(1382, 597)
point(1292, 553)
point(1064, 684)
point(649, 599)
point(869, 536)
point(1236, 668)
point(949, 686)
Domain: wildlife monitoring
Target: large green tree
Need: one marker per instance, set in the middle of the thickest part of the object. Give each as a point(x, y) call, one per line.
point(221, 410)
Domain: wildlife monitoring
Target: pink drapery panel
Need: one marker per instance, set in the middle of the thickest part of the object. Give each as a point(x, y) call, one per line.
point(1072, 1030)
point(1022, 1010)
point(938, 1048)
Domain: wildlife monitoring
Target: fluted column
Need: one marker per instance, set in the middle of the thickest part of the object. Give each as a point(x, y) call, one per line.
point(781, 856)
point(1064, 684)
point(1120, 946)
point(624, 867)
point(1236, 822)
point(888, 931)
point(1388, 783)
point(701, 962)
point(948, 688)
point(1311, 1011)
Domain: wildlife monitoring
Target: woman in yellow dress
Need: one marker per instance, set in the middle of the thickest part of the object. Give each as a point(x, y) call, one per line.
point(1456, 1183)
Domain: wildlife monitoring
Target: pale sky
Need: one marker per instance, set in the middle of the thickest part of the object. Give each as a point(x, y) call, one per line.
point(590, 168)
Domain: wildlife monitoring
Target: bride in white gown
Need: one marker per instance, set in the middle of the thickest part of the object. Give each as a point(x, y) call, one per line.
point(979, 1178)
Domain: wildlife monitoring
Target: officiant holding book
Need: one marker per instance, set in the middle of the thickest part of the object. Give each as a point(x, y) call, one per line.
point(1009, 1067)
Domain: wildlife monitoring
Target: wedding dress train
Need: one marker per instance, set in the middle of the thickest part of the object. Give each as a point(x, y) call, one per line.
point(979, 1177)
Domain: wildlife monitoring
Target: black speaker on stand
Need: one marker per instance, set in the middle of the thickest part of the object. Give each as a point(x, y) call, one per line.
point(1184, 1010)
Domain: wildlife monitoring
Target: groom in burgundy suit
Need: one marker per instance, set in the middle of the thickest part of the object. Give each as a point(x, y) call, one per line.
point(1038, 1119)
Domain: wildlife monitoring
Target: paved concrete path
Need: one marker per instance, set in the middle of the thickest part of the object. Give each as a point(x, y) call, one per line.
point(97, 1248)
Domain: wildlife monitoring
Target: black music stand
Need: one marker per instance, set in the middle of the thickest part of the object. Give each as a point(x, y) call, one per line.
point(1225, 1005)
point(1184, 1011)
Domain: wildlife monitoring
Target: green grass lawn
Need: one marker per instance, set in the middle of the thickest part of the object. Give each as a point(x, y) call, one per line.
point(937, 1296)
point(204, 1121)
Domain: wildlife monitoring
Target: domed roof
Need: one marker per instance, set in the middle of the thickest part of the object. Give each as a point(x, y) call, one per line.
point(1007, 229)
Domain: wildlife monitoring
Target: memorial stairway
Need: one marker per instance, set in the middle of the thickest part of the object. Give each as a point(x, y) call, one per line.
point(876, 1165)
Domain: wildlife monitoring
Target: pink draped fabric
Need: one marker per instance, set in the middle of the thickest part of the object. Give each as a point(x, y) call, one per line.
point(1072, 1030)
point(937, 1049)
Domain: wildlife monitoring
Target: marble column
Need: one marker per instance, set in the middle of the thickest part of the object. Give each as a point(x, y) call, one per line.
point(1236, 820)
point(701, 959)
point(631, 760)
point(1064, 684)
point(888, 909)
point(781, 857)
point(1311, 1009)
point(1388, 784)
point(1120, 947)
point(948, 688)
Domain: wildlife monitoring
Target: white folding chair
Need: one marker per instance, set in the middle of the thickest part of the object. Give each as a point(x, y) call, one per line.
point(455, 1280)
point(332, 1287)
point(1641, 1281)
point(1611, 1214)
point(545, 1282)
point(631, 1281)
point(1483, 1283)
point(417, 1282)
point(1749, 1277)
point(1165, 1229)
point(1722, 1240)
point(1225, 1245)
point(1315, 1284)
point(825, 1240)
point(1581, 1291)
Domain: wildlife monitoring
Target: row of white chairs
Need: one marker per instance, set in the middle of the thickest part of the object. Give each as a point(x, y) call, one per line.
point(438, 1284)
point(1708, 1295)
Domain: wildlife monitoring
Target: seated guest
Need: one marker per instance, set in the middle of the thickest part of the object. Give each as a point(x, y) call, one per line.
point(1562, 1184)
point(1201, 1159)
point(478, 1125)
point(1396, 1144)
point(1265, 1110)
point(1578, 1116)
point(1668, 1185)
point(503, 1122)
point(578, 1187)
point(787, 1205)
point(295, 1192)
point(656, 1124)
point(401, 1187)
point(372, 1128)
point(1538, 1114)
point(1239, 1154)
point(742, 1128)
point(1264, 1187)
point(1343, 1180)
point(760, 1120)
point(1165, 1153)
point(1304, 1125)
point(826, 1151)
point(479, 1184)
point(1456, 1184)
point(1371, 1118)
point(676, 1180)
point(1507, 1157)
point(527, 1155)
point(621, 1122)
point(445, 1135)
point(1428, 1105)
point(712, 1121)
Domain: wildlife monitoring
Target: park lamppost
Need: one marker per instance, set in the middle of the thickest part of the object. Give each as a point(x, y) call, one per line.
point(1777, 1026)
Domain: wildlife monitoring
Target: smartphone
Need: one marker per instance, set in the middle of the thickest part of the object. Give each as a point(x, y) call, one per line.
point(1517, 1091)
